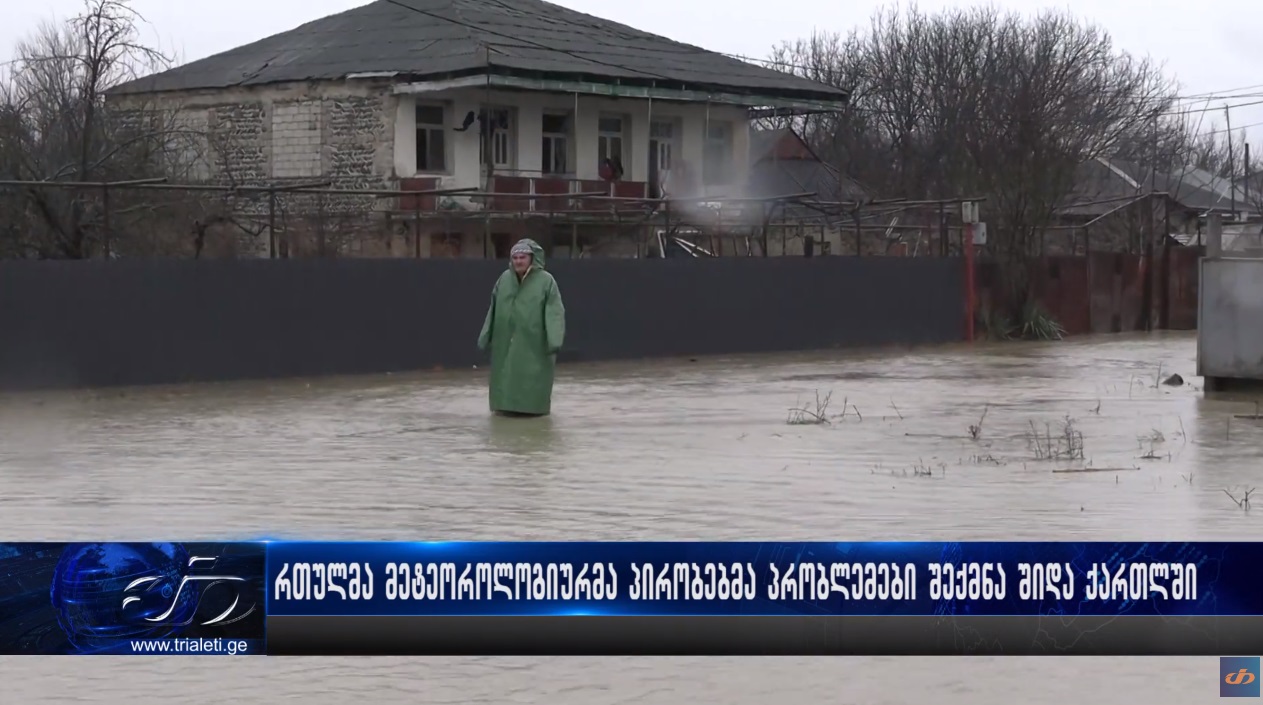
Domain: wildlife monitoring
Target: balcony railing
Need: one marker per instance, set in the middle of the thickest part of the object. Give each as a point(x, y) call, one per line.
point(540, 194)
point(505, 189)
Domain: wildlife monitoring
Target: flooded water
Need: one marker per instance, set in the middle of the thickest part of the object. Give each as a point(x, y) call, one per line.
point(675, 450)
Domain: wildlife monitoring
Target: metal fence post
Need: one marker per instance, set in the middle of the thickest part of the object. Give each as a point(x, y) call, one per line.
point(105, 218)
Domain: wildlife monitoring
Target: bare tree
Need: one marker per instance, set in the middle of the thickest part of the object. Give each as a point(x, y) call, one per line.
point(55, 125)
point(978, 102)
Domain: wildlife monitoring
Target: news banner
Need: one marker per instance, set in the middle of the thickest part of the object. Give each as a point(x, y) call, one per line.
point(583, 598)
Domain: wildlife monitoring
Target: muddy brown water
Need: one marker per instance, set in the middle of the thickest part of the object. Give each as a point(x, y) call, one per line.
point(673, 450)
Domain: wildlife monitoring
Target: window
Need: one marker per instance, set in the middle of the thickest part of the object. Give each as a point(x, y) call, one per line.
point(555, 152)
point(610, 139)
point(717, 157)
point(662, 143)
point(431, 144)
point(661, 153)
point(497, 134)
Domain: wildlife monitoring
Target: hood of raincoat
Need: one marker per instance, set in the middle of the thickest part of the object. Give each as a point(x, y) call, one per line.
point(529, 245)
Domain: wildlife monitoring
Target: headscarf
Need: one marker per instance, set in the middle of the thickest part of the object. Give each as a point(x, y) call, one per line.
point(523, 247)
point(527, 246)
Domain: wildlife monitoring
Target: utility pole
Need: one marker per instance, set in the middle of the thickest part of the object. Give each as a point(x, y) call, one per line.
point(1232, 165)
point(1153, 188)
point(1148, 247)
point(1245, 171)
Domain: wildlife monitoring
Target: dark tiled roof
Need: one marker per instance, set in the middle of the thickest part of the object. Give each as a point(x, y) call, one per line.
point(770, 177)
point(431, 38)
point(1102, 187)
point(1098, 190)
point(1200, 190)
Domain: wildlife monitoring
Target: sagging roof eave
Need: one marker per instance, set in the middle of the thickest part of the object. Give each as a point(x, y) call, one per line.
point(791, 99)
point(826, 99)
point(144, 85)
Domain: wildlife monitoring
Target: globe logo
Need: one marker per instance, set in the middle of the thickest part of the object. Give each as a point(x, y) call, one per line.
point(90, 593)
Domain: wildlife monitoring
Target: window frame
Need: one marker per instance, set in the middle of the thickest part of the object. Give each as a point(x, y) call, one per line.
point(720, 174)
point(549, 139)
point(604, 139)
point(510, 139)
point(429, 128)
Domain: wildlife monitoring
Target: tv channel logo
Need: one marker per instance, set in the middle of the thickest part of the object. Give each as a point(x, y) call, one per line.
point(1239, 677)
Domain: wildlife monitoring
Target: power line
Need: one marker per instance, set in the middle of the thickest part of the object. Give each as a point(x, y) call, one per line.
point(1192, 97)
point(1203, 110)
point(1169, 113)
point(1238, 128)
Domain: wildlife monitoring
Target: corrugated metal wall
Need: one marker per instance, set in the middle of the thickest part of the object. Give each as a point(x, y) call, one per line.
point(97, 323)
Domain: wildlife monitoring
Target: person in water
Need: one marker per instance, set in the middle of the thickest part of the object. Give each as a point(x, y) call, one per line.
point(524, 329)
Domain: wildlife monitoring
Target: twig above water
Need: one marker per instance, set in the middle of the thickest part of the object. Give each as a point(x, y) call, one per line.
point(1067, 445)
point(1153, 455)
point(1244, 502)
point(800, 416)
point(975, 431)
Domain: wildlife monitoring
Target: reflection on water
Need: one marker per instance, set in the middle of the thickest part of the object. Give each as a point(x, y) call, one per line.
point(521, 438)
point(677, 450)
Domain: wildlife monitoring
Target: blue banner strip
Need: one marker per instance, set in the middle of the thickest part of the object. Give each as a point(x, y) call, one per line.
point(215, 598)
point(767, 579)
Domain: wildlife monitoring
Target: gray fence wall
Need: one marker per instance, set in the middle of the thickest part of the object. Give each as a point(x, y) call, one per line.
point(99, 323)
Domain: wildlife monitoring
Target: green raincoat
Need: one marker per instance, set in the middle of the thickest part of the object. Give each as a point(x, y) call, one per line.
point(525, 327)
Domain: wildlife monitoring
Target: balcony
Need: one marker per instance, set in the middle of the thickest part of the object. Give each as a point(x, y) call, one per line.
point(506, 189)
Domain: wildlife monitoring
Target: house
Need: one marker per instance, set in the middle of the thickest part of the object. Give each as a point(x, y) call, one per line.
point(1116, 205)
point(509, 118)
point(789, 197)
point(783, 164)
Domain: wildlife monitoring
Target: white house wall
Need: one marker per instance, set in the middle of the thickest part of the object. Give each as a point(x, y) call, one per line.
point(463, 153)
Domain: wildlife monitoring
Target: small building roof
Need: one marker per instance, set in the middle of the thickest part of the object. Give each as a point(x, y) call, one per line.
point(770, 176)
point(1103, 185)
point(455, 38)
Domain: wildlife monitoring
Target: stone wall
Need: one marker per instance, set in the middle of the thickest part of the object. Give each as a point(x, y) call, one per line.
point(291, 134)
point(357, 128)
point(341, 132)
point(239, 144)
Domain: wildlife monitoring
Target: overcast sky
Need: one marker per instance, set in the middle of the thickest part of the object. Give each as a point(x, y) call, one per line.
point(1211, 46)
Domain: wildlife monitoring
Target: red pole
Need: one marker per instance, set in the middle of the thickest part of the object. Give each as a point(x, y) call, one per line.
point(970, 284)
